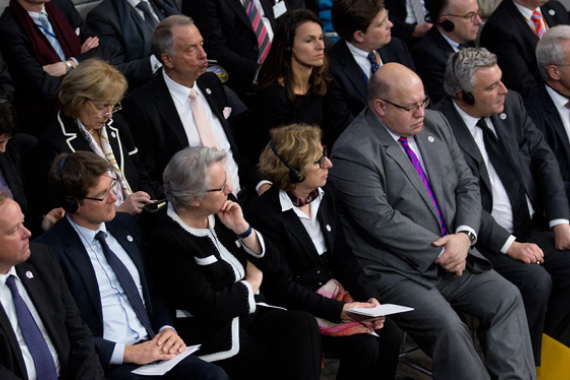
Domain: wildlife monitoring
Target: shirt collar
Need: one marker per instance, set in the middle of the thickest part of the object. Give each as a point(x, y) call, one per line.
point(178, 92)
point(200, 232)
point(36, 15)
point(527, 13)
point(559, 100)
point(356, 51)
point(470, 121)
point(286, 203)
point(4, 277)
point(86, 233)
point(454, 45)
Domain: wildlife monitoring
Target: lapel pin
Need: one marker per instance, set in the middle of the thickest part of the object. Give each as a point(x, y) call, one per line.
point(551, 12)
point(503, 116)
point(29, 275)
point(208, 91)
point(113, 134)
point(329, 229)
point(130, 238)
point(431, 139)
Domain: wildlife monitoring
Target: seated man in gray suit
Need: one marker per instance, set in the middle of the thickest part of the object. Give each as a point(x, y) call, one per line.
point(525, 230)
point(411, 211)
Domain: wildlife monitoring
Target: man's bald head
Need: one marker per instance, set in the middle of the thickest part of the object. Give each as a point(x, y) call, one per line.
point(390, 77)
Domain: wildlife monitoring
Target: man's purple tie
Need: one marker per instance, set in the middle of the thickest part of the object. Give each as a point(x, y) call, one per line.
point(418, 166)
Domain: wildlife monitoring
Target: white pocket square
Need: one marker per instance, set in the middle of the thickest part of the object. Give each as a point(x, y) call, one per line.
point(77, 31)
point(227, 111)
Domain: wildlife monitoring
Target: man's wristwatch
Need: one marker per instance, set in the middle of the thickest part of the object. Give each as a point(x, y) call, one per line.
point(68, 66)
point(470, 235)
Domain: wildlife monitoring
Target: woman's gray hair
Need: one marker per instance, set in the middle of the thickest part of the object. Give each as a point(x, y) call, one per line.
point(549, 50)
point(162, 41)
point(462, 66)
point(187, 175)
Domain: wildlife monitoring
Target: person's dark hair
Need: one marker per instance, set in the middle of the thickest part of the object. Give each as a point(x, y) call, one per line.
point(348, 16)
point(8, 116)
point(277, 65)
point(72, 175)
point(435, 8)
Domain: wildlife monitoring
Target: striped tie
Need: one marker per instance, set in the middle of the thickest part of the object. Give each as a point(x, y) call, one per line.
point(538, 25)
point(374, 61)
point(47, 29)
point(418, 167)
point(263, 40)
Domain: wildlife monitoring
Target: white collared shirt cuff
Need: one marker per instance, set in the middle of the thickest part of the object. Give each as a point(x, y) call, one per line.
point(154, 63)
point(167, 327)
point(250, 297)
point(466, 228)
point(261, 244)
point(75, 60)
point(508, 244)
point(118, 354)
point(261, 183)
point(442, 252)
point(555, 222)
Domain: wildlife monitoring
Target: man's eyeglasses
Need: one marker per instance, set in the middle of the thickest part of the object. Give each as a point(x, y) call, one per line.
point(221, 189)
point(322, 161)
point(99, 108)
point(111, 188)
point(469, 16)
point(410, 109)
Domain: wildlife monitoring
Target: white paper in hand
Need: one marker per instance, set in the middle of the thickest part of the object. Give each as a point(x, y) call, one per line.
point(381, 310)
point(160, 368)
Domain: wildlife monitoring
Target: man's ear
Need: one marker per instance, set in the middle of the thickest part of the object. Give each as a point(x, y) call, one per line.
point(553, 72)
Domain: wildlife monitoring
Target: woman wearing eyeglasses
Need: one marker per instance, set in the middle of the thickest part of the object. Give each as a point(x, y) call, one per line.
point(209, 263)
point(319, 273)
point(91, 95)
point(293, 79)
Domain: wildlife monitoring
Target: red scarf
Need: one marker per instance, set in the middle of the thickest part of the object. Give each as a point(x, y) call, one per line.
point(69, 41)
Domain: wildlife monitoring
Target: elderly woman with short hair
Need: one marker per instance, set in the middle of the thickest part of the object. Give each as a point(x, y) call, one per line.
point(318, 272)
point(91, 95)
point(208, 262)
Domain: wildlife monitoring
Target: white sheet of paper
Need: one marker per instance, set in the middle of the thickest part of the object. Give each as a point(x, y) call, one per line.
point(381, 310)
point(164, 366)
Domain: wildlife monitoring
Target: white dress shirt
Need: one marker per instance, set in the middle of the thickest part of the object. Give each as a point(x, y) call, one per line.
point(120, 321)
point(527, 14)
point(361, 58)
point(453, 44)
point(180, 95)
point(311, 224)
point(8, 305)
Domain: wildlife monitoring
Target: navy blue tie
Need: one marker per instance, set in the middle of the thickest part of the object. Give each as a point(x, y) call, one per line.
point(43, 360)
point(127, 283)
point(149, 19)
point(374, 61)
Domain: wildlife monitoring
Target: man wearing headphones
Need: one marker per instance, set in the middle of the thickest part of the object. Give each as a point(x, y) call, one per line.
point(102, 258)
point(524, 223)
point(457, 24)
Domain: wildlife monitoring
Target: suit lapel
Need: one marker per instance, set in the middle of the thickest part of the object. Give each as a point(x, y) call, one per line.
point(553, 120)
point(167, 110)
point(520, 22)
point(353, 72)
point(323, 217)
point(115, 142)
point(6, 326)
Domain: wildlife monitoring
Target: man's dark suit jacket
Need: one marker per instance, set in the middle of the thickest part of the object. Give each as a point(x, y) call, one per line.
point(545, 116)
point(302, 271)
point(229, 37)
point(63, 136)
point(158, 131)
point(430, 56)
point(508, 35)
point(536, 166)
point(78, 271)
point(122, 30)
point(44, 282)
point(36, 97)
point(348, 91)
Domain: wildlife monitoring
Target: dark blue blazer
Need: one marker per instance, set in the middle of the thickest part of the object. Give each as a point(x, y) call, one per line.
point(78, 271)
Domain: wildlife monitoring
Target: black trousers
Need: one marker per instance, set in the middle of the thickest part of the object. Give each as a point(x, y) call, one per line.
point(364, 356)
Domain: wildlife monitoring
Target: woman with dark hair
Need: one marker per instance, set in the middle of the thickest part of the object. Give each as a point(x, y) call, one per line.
point(293, 79)
point(318, 272)
point(91, 96)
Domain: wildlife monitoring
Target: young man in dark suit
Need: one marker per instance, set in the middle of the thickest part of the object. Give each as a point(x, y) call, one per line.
point(366, 44)
point(512, 33)
point(525, 229)
point(547, 105)
point(102, 257)
point(41, 332)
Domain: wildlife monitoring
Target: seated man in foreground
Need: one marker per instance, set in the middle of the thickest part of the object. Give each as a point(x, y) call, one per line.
point(412, 211)
point(102, 257)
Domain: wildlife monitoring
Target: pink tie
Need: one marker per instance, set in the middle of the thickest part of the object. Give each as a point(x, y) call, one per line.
point(202, 124)
point(538, 25)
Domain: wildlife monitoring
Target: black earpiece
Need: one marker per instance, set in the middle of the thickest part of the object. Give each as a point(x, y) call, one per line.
point(447, 25)
point(69, 204)
point(294, 174)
